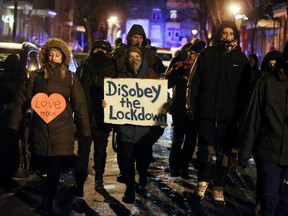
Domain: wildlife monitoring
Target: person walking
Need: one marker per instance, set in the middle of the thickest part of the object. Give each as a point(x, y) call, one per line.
point(217, 92)
point(91, 74)
point(134, 142)
point(183, 128)
point(53, 140)
point(263, 135)
point(137, 37)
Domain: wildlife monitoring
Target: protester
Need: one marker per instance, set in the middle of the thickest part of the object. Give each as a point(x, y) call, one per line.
point(183, 128)
point(92, 74)
point(180, 55)
point(134, 142)
point(137, 37)
point(263, 135)
point(217, 92)
point(118, 43)
point(53, 141)
point(269, 61)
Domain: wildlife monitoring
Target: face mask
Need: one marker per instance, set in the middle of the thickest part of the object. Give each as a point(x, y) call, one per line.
point(135, 65)
point(53, 65)
point(229, 44)
point(99, 56)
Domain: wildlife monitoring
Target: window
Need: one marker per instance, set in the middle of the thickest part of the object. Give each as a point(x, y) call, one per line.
point(173, 14)
point(156, 13)
point(156, 32)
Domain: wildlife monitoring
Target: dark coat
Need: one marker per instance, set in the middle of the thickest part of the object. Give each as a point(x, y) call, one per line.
point(220, 85)
point(177, 79)
point(92, 80)
point(265, 129)
point(56, 137)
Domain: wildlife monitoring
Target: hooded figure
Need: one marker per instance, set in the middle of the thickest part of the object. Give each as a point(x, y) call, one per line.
point(51, 141)
point(226, 41)
point(137, 37)
point(136, 30)
point(269, 61)
point(218, 90)
point(92, 73)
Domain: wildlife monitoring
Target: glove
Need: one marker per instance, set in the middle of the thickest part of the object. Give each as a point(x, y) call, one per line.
point(242, 163)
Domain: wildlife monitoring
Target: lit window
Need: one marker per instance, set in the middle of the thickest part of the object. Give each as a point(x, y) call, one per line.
point(173, 14)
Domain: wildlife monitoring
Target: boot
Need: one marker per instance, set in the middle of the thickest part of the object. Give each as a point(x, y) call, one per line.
point(129, 195)
point(47, 205)
point(142, 180)
point(99, 183)
point(47, 201)
point(78, 190)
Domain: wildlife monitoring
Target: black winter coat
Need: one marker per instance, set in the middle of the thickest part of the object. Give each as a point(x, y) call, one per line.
point(220, 85)
point(92, 79)
point(57, 137)
point(265, 129)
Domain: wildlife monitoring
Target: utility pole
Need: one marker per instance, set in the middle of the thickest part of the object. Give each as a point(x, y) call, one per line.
point(15, 20)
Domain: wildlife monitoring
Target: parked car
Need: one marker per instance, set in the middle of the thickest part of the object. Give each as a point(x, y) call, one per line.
point(165, 55)
point(16, 62)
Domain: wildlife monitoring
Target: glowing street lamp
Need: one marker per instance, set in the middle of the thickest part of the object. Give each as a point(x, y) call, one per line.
point(235, 9)
point(113, 20)
point(194, 32)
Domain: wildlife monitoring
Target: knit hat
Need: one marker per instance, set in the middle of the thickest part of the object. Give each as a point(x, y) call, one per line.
point(103, 44)
point(56, 43)
point(135, 49)
point(198, 46)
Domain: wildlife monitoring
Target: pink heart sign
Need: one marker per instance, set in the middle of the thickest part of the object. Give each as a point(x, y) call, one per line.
point(48, 108)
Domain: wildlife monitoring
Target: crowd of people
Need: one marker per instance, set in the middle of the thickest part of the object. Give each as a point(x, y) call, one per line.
point(222, 100)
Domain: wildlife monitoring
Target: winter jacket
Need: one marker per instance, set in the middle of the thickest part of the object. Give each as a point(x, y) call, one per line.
point(92, 80)
point(56, 137)
point(220, 84)
point(177, 79)
point(264, 132)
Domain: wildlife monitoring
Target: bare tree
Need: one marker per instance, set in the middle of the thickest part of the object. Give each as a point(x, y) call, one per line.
point(94, 13)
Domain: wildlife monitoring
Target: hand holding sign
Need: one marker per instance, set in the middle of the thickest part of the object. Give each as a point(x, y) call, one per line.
point(48, 108)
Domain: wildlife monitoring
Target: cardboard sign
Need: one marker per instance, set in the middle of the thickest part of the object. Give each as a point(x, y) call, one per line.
point(135, 101)
point(48, 108)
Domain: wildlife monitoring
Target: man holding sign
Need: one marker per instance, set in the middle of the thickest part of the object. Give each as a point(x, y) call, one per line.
point(136, 107)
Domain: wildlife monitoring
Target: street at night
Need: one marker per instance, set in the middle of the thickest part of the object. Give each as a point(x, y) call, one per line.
point(164, 195)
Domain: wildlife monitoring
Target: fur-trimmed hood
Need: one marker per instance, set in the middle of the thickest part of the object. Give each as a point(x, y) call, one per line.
point(58, 44)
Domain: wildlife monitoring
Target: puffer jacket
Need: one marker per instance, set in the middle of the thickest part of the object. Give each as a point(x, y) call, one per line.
point(264, 133)
point(57, 137)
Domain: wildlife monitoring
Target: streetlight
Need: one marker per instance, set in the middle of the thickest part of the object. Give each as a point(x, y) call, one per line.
point(194, 32)
point(110, 33)
point(235, 9)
